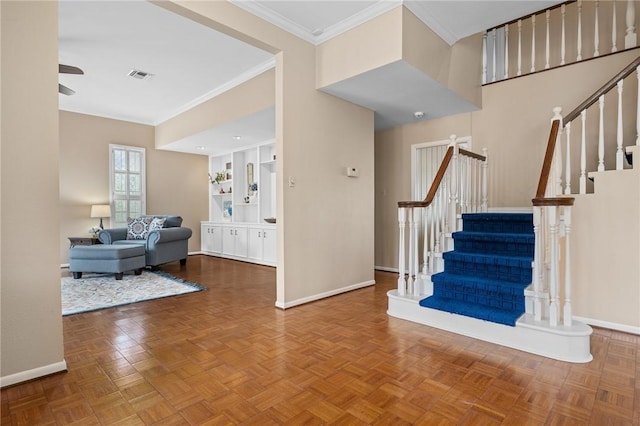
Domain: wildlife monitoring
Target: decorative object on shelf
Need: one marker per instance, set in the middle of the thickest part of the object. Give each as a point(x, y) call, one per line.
point(227, 209)
point(101, 211)
point(270, 219)
point(228, 171)
point(220, 177)
point(249, 178)
point(247, 199)
point(221, 191)
point(253, 188)
point(229, 191)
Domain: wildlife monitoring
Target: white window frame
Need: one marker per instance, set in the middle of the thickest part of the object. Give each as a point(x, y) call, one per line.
point(143, 173)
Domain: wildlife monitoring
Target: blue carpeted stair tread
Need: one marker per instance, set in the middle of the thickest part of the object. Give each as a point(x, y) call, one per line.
point(487, 272)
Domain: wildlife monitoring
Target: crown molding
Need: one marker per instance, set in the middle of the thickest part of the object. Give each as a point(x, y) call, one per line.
point(421, 10)
point(242, 78)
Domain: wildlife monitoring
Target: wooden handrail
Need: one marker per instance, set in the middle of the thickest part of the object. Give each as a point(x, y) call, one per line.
point(439, 176)
point(540, 12)
point(604, 89)
point(548, 158)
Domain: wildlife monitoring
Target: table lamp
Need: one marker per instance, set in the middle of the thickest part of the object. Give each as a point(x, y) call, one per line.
point(101, 210)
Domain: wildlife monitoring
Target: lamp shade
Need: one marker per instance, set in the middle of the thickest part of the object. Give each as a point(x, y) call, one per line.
point(100, 210)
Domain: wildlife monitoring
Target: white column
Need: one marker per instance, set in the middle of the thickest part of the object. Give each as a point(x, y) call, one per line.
point(538, 263)
point(484, 58)
point(583, 154)
point(413, 250)
point(546, 64)
point(601, 135)
point(562, 41)
point(402, 221)
point(567, 167)
point(614, 30)
point(631, 38)
point(619, 135)
point(417, 212)
point(554, 311)
point(506, 51)
point(596, 35)
point(519, 47)
point(533, 43)
point(494, 54)
point(485, 163)
point(567, 314)
point(579, 58)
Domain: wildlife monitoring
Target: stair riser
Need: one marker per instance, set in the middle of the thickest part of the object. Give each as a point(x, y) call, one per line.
point(495, 299)
point(494, 247)
point(498, 228)
point(517, 274)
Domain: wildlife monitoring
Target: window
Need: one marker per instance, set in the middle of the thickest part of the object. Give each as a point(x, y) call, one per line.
point(127, 183)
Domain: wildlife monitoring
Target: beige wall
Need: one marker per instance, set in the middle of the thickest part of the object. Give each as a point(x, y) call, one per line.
point(176, 183)
point(323, 245)
point(245, 99)
point(30, 315)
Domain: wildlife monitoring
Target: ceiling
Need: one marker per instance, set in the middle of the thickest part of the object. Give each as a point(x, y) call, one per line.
point(190, 63)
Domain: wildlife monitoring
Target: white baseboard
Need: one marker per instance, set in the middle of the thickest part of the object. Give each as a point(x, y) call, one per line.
point(324, 295)
point(64, 265)
point(193, 253)
point(385, 269)
point(34, 373)
point(610, 325)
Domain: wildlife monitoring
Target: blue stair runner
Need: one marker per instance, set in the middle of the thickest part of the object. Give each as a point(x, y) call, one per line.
point(485, 275)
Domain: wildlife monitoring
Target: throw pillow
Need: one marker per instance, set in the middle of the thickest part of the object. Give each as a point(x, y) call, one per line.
point(138, 229)
point(157, 223)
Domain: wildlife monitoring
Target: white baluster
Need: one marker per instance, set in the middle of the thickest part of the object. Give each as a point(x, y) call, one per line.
point(432, 242)
point(538, 263)
point(546, 64)
point(614, 30)
point(533, 43)
point(596, 39)
point(579, 58)
point(554, 186)
point(413, 244)
point(425, 240)
point(568, 315)
point(484, 58)
point(631, 38)
point(437, 220)
point(453, 186)
point(567, 167)
point(495, 54)
point(638, 108)
point(416, 225)
point(506, 51)
point(485, 163)
point(519, 47)
point(562, 41)
point(601, 135)
point(583, 154)
point(402, 221)
point(619, 136)
point(554, 311)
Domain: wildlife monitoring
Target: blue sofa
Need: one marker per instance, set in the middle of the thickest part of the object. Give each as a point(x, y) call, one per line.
point(161, 245)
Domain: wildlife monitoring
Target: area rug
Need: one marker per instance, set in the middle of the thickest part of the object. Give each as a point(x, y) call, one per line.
point(99, 291)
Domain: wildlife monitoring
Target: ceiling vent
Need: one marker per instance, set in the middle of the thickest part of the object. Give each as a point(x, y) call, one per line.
point(140, 75)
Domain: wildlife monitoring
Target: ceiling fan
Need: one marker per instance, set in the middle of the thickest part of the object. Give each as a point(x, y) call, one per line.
point(67, 69)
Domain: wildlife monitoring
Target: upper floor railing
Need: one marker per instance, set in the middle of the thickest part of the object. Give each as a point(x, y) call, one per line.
point(571, 32)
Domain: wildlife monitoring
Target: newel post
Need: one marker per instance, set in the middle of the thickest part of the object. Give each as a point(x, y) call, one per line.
point(568, 313)
point(484, 196)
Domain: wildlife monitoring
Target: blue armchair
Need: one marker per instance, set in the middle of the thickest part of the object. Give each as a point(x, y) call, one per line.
point(164, 245)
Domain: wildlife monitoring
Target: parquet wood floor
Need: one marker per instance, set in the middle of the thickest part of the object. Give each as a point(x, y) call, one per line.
point(228, 356)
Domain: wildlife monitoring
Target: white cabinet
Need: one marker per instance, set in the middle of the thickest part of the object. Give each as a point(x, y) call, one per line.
point(234, 241)
point(241, 195)
point(211, 238)
point(262, 245)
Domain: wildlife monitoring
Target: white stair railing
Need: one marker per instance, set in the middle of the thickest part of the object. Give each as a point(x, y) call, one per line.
point(601, 15)
point(460, 186)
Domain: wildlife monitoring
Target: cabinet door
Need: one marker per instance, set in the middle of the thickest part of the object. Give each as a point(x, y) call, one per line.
point(228, 241)
point(269, 245)
point(254, 250)
point(215, 239)
point(204, 238)
point(241, 242)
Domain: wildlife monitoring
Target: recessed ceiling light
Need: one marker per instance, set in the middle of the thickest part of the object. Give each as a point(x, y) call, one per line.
point(201, 148)
point(139, 75)
point(418, 114)
point(237, 138)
